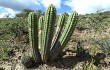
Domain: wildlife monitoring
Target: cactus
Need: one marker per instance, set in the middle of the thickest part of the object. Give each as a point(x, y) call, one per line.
point(50, 18)
point(41, 34)
point(63, 40)
point(57, 34)
point(33, 35)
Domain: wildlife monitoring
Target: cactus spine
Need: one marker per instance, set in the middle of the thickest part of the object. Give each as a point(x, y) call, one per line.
point(33, 35)
point(63, 40)
point(50, 18)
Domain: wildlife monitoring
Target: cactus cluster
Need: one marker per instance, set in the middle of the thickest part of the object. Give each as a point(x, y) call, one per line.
point(46, 40)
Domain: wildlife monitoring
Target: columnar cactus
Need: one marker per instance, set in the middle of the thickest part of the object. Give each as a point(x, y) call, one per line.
point(63, 40)
point(42, 33)
point(33, 35)
point(50, 18)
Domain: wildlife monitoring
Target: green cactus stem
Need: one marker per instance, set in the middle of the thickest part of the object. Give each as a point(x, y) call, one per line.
point(50, 18)
point(41, 35)
point(33, 35)
point(57, 34)
point(65, 36)
point(41, 23)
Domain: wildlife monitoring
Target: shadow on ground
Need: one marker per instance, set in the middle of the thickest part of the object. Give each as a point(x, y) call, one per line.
point(69, 62)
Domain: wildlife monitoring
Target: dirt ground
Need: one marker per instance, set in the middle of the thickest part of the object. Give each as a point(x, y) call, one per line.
point(69, 60)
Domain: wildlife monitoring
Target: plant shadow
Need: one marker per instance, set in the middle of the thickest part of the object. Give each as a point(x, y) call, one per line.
point(69, 62)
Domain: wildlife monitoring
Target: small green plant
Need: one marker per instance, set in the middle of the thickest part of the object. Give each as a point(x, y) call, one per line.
point(5, 51)
point(90, 66)
point(1, 56)
point(43, 36)
point(93, 51)
point(80, 50)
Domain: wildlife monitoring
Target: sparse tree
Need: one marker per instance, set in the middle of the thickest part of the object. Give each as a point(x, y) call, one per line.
point(24, 13)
